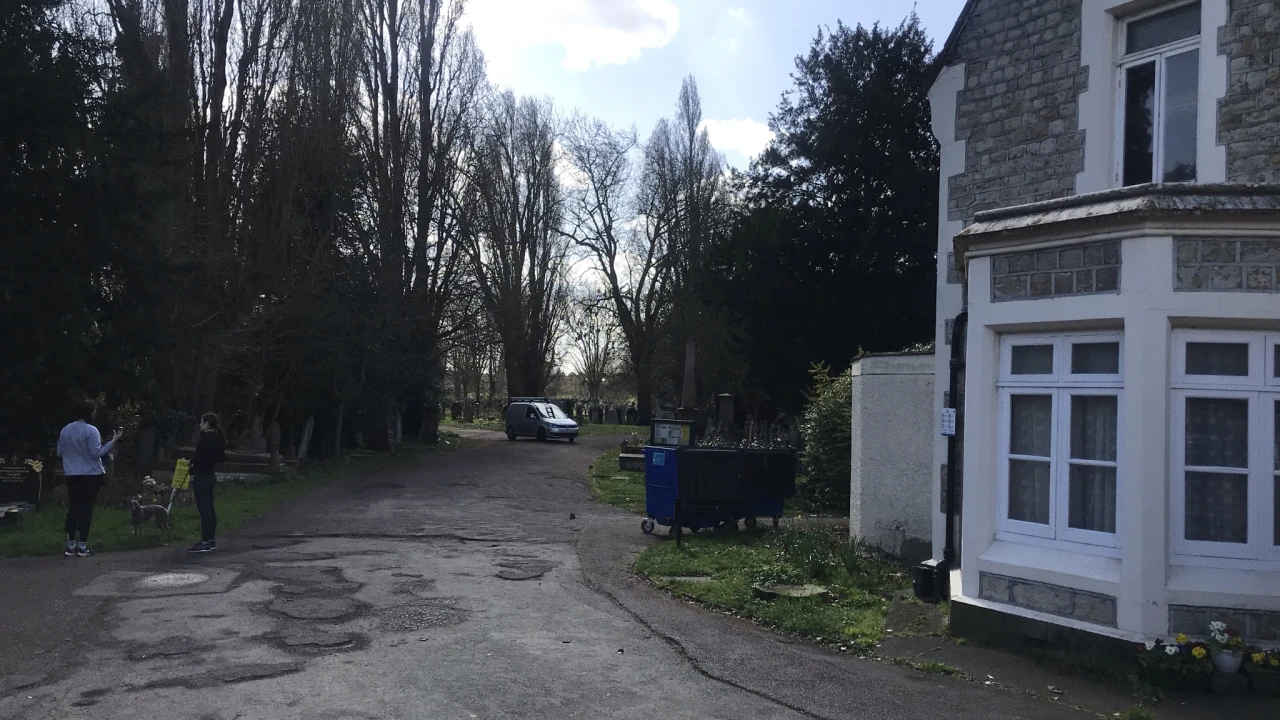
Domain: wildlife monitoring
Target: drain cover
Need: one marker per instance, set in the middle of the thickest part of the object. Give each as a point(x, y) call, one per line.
point(172, 580)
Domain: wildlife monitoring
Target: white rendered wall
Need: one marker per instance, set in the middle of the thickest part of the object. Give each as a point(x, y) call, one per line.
point(890, 484)
point(942, 102)
point(1142, 578)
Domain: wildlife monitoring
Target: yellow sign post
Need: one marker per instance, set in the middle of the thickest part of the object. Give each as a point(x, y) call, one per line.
point(181, 475)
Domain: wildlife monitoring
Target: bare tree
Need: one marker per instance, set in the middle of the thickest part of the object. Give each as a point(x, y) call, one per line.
point(516, 249)
point(592, 334)
point(642, 220)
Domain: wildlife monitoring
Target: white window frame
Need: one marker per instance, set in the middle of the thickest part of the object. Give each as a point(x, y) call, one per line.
point(1061, 386)
point(1262, 390)
point(1160, 55)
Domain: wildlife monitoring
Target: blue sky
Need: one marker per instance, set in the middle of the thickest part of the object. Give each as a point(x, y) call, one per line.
point(623, 60)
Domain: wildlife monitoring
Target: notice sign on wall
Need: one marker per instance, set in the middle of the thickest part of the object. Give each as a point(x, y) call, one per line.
point(672, 433)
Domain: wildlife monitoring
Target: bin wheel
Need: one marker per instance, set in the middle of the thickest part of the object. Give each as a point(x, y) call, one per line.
point(775, 521)
point(694, 529)
point(673, 531)
point(750, 523)
point(646, 526)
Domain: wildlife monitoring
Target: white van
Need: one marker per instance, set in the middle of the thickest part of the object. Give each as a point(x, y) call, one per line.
point(538, 418)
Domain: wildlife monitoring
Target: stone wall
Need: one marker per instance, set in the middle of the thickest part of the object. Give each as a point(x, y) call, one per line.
point(1090, 607)
point(1263, 625)
point(1087, 270)
point(1249, 115)
point(1227, 265)
point(1018, 111)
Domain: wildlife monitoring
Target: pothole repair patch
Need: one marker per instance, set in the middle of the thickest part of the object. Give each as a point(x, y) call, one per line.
point(173, 580)
point(315, 608)
point(315, 638)
point(407, 618)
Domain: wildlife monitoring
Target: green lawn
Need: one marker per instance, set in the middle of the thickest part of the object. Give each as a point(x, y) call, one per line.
point(583, 428)
point(614, 486)
point(42, 533)
point(850, 618)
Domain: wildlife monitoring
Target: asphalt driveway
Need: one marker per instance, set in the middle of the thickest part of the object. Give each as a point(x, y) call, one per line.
point(457, 586)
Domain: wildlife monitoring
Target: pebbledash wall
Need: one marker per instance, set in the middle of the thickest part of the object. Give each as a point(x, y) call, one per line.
point(1023, 108)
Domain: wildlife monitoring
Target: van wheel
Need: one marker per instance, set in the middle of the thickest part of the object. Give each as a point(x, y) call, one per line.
point(571, 439)
point(542, 434)
point(511, 433)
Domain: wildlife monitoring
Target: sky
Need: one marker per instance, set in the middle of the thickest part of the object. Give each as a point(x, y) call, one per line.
point(623, 60)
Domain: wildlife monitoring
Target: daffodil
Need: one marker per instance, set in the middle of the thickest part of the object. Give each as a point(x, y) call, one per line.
point(1199, 653)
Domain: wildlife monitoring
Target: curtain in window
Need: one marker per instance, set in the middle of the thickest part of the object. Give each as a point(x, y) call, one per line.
point(1217, 503)
point(1031, 434)
point(1092, 491)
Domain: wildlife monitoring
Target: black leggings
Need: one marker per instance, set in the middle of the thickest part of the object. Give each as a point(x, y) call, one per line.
point(82, 493)
point(202, 488)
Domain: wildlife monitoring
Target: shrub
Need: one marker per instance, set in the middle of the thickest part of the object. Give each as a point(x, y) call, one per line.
point(826, 432)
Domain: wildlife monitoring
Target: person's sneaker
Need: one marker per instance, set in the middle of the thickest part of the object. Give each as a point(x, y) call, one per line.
point(213, 545)
point(70, 551)
point(200, 547)
point(83, 550)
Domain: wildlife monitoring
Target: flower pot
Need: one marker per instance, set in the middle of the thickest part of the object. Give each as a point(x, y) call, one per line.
point(1176, 681)
point(1228, 661)
point(1266, 684)
point(1229, 684)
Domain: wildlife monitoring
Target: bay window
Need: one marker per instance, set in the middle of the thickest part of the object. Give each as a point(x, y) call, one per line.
point(1226, 445)
point(1059, 439)
point(1159, 74)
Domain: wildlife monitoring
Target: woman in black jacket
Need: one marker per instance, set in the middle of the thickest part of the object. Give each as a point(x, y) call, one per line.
point(210, 450)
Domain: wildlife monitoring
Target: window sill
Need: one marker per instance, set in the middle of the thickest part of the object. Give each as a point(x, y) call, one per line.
point(1227, 584)
point(1056, 566)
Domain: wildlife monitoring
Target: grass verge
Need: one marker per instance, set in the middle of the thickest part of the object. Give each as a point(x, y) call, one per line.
point(41, 533)
point(614, 486)
point(722, 570)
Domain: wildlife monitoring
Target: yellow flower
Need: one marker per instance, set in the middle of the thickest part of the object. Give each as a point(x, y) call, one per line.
point(1182, 638)
point(1257, 658)
point(1199, 653)
point(1275, 662)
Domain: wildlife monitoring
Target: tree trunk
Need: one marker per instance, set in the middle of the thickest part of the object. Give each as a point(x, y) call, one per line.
point(337, 430)
point(644, 395)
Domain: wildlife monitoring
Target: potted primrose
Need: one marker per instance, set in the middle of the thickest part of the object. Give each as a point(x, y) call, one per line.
point(1227, 647)
point(1263, 669)
point(1182, 665)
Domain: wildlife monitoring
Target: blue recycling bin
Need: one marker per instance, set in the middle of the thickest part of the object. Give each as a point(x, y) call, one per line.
point(696, 488)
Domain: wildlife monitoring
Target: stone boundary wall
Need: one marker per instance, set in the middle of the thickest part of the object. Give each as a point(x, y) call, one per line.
point(1226, 265)
point(1087, 270)
point(1089, 607)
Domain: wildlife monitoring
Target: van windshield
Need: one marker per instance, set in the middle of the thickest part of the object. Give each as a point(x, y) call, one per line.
point(551, 411)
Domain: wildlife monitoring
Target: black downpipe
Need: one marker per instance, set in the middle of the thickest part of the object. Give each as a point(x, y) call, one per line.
point(958, 333)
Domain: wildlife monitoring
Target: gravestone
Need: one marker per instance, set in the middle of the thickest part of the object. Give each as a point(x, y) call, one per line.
point(469, 412)
point(455, 411)
point(632, 416)
point(20, 480)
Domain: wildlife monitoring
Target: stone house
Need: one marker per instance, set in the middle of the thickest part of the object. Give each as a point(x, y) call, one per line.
point(1109, 271)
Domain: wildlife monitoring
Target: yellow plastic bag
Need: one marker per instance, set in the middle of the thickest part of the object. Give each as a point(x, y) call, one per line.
point(181, 475)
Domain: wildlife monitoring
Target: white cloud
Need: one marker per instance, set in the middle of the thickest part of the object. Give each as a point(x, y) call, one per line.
point(591, 32)
point(743, 135)
point(739, 14)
